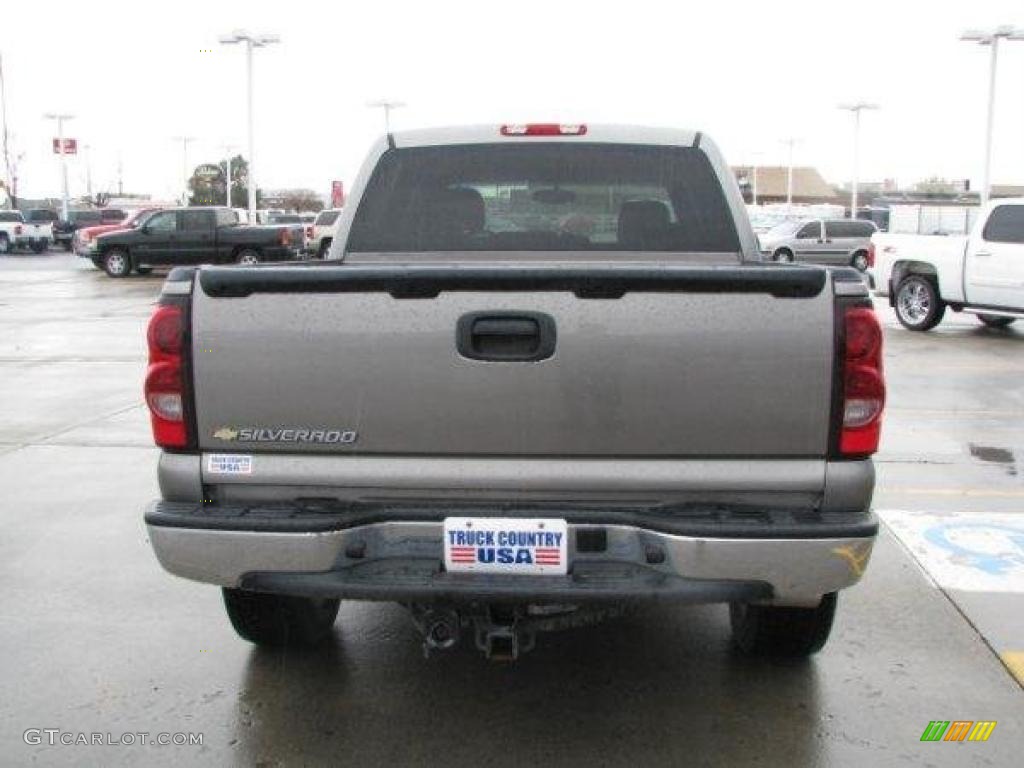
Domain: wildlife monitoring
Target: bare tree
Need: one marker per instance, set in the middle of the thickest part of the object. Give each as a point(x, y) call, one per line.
point(302, 200)
point(10, 164)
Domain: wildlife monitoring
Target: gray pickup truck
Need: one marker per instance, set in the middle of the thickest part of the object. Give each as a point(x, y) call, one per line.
point(544, 375)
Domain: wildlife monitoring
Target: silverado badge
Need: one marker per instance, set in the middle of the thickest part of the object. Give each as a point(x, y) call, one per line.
point(321, 436)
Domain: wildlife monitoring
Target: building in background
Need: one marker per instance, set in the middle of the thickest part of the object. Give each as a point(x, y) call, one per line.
point(809, 187)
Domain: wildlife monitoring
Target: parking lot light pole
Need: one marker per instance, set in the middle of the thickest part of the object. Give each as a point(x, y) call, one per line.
point(227, 149)
point(856, 108)
point(88, 170)
point(60, 118)
point(757, 158)
point(790, 142)
point(185, 141)
point(251, 41)
point(991, 38)
point(387, 106)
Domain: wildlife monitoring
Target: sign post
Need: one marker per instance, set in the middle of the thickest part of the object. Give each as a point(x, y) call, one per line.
point(62, 147)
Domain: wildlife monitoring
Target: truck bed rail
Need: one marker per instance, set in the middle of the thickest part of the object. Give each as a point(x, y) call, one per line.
point(583, 280)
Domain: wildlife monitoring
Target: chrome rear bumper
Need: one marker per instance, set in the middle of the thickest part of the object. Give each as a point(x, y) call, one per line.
point(402, 560)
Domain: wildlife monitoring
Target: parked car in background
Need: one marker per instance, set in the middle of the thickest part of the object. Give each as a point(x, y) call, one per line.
point(324, 227)
point(292, 218)
point(263, 215)
point(84, 240)
point(15, 232)
point(64, 231)
point(820, 241)
point(194, 236)
point(981, 273)
point(765, 221)
point(11, 226)
point(284, 218)
point(39, 223)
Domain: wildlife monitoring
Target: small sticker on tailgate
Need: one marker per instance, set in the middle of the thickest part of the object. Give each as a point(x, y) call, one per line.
point(229, 464)
point(506, 545)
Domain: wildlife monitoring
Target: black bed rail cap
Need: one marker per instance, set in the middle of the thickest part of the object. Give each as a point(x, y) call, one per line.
point(584, 280)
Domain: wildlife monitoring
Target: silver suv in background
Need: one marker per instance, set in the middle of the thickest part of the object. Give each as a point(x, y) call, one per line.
point(820, 241)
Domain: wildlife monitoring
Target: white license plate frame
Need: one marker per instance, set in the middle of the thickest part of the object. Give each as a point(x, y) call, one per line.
point(506, 545)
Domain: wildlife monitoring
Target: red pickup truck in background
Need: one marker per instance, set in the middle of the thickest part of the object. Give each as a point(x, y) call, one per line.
point(84, 241)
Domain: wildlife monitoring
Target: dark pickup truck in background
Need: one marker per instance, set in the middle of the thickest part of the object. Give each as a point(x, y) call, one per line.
point(64, 230)
point(194, 236)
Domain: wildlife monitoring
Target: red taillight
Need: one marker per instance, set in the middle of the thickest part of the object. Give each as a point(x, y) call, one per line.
point(164, 388)
point(871, 254)
point(164, 334)
point(543, 129)
point(309, 232)
point(286, 236)
point(863, 383)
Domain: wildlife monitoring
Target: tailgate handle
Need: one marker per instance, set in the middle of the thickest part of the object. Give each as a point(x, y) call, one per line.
point(507, 337)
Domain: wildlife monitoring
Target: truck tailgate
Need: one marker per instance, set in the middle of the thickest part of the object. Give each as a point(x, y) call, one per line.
point(665, 362)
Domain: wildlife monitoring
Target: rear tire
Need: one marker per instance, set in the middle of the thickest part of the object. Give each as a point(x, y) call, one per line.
point(116, 263)
point(994, 321)
point(324, 249)
point(248, 257)
point(783, 256)
point(67, 245)
point(770, 630)
point(280, 620)
point(5, 244)
point(918, 306)
point(860, 261)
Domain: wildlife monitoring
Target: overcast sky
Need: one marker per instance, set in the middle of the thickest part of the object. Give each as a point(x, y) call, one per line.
point(749, 74)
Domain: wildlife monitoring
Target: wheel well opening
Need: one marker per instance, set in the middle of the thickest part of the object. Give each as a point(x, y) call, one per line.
point(903, 269)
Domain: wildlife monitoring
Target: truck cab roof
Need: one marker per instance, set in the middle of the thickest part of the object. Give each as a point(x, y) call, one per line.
point(589, 132)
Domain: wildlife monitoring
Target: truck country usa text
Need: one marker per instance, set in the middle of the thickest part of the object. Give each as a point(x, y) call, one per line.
point(506, 547)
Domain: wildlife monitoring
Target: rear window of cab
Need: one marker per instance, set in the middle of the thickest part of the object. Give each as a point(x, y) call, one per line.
point(549, 196)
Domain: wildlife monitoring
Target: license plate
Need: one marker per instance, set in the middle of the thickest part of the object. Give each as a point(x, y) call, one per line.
point(505, 545)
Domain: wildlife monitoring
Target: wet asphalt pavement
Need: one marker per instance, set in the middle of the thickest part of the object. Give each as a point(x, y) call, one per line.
point(94, 637)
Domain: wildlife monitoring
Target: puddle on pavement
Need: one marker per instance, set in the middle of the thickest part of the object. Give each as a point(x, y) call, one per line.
point(992, 455)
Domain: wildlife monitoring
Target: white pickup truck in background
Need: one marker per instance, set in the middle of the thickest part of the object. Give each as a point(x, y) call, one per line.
point(982, 273)
point(16, 232)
